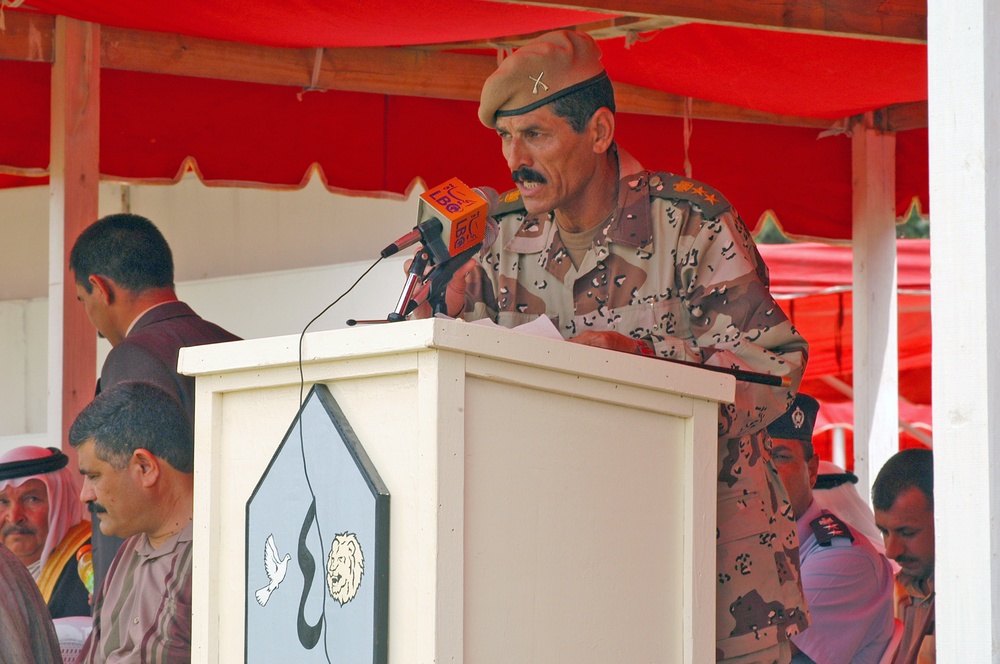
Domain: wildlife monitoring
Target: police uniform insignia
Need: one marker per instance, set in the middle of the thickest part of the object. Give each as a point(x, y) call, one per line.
point(798, 418)
point(679, 188)
point(828, 526)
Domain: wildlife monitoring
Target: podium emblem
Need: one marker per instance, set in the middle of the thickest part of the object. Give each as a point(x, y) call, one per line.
point(317, 581)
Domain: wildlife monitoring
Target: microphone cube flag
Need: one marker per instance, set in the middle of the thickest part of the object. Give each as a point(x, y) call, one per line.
point(462, 215)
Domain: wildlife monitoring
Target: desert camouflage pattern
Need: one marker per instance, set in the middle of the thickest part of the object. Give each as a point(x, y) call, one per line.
point(676, 265)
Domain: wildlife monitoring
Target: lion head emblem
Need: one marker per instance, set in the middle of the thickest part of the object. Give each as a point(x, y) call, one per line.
point(344, 567)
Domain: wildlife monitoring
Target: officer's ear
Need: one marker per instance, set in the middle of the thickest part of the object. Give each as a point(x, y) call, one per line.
point(813, 465)
point(602, 128)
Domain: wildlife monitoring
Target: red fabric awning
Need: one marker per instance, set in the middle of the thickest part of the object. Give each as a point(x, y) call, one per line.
point(319, 23)
point(247, 134)
point(788, 73)
point(805, 269)
point(813, 285)
point(768, 70)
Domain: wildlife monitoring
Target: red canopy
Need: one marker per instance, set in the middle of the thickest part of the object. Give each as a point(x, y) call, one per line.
point(813, 285)
point(240, 133)
point(319, 23)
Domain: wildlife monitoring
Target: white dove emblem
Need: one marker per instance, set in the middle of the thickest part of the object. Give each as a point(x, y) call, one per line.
point(275, 569)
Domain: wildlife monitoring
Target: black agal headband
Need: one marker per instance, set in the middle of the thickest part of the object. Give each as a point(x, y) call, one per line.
point(14, 469)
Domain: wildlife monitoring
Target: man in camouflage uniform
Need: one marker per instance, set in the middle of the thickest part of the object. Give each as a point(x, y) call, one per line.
point(647, 263)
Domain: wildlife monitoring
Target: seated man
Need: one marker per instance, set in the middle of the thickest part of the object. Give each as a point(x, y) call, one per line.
point(26, 632)
point(136, 455)
point(903, 496)
point(848, 584)
point(43, 524)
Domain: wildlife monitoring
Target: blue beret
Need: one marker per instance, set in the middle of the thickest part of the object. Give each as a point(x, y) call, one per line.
point(798, 421)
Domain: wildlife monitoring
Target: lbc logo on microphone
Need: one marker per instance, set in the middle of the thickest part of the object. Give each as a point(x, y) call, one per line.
point(453, 196)
point(463, 214)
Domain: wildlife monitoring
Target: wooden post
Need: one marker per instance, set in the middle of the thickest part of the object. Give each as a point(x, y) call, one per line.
point(964, 84)
point(876, 343)
point(73, 192)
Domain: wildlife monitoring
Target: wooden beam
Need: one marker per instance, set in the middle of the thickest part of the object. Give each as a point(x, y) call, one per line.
point(901, 117)
point(633, 99)
point(28, 37)
point(73, 194)
point(887, 20)
point(405, 71)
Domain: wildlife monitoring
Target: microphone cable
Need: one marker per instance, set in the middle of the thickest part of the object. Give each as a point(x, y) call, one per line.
point(302, 444)
point(302, 380)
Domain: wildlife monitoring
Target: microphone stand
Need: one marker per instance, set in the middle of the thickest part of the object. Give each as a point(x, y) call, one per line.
point(430, 289)
point(413, 279)
point(440, 277)
point(405, 304)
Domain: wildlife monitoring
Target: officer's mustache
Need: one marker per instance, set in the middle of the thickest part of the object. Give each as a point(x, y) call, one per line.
point(97, 508)
point(525, 174)
point(18, 529)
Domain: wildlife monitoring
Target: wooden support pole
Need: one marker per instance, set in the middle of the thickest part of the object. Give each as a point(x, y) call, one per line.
point(73, 192)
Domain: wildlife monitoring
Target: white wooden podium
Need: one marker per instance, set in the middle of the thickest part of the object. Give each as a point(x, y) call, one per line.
point(549, 502)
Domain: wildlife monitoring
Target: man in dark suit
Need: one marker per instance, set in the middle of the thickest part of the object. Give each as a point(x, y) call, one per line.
point(124, 273)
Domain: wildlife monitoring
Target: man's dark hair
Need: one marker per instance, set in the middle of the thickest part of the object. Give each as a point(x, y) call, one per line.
point(578, 107)
point(127, 249)
point(136, 415)
point(906, 469)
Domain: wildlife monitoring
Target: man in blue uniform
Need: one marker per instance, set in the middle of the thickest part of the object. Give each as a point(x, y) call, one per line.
point(848, 584)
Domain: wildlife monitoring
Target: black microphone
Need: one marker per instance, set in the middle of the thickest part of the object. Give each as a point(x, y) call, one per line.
point(407, 240)
point(435, 283)
point(451, 219)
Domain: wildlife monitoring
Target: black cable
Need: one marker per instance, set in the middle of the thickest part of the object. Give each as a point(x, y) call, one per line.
point(302, 380)
point(302, 384)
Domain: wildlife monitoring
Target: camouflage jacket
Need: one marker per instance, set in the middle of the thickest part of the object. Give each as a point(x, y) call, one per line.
point(674, 265)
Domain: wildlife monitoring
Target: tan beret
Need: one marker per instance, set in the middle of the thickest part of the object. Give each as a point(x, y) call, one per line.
point(541, 71)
